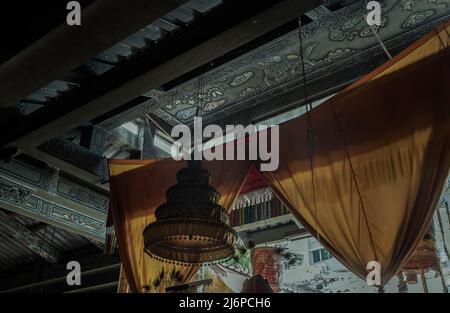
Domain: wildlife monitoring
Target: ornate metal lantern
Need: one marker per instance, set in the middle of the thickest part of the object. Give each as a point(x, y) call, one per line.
point(191, 227)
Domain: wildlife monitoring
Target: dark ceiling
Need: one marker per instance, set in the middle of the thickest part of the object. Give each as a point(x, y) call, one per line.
point(22, 22)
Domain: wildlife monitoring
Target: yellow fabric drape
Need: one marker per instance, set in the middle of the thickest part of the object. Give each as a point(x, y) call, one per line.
point(123, 284)
point(380, 157)
point(138, 187)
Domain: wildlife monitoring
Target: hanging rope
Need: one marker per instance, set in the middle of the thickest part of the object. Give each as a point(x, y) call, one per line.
point(440, 39)
point(340, 131)
point(374, 31)
point(309, 131)
point(199, 110)
point(200, 94)
point(310, 140)
point(347, 156)
point(446, 30)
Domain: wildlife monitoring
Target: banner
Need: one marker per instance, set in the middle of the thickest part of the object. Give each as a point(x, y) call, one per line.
point(268, 264)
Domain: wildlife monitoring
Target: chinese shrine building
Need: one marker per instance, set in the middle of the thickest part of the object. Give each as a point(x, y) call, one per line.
point(87, 165)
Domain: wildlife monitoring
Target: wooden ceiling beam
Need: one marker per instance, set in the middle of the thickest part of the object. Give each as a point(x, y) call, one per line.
point(112, 92)
point(103, 24)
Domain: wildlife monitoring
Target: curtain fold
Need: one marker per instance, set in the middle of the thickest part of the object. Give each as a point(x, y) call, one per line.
point(138, 187)
point(367, 179)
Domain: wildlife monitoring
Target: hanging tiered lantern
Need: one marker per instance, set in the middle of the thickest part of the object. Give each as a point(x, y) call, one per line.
point(191, 227)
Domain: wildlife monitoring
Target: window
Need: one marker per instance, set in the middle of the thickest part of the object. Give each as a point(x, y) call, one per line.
point(319, 255)
point(315, 256)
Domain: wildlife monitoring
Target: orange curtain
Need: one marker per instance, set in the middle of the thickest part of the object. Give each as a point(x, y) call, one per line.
point(138, 187)
point(366, 189)
point(378, 158)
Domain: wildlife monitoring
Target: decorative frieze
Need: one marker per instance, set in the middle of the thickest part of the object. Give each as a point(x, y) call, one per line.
point(32, 202)
point(77, 220)
point(15, 194)
point(83, 195)
point(338, 46)
point(47, 179)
